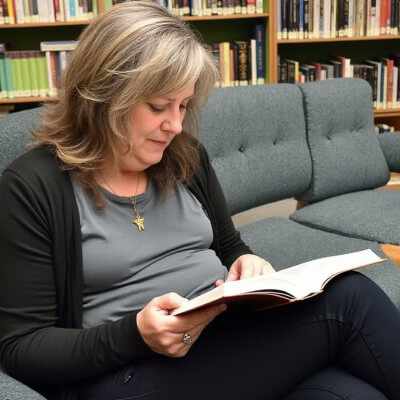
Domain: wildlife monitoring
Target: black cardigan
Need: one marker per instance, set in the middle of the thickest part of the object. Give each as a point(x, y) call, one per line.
point(41, 335)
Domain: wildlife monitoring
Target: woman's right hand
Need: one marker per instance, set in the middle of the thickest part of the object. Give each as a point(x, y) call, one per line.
point(163, 332)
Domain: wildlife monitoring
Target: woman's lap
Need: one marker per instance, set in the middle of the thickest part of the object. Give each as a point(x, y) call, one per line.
point(267, 354)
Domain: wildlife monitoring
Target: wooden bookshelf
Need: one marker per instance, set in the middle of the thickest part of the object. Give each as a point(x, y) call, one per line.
point(228, 28)
point(357, 48)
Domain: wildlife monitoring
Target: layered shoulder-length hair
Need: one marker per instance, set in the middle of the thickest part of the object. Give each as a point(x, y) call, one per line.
point(135, 51)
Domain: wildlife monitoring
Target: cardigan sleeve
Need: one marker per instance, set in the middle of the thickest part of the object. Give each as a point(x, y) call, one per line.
point(35, 345)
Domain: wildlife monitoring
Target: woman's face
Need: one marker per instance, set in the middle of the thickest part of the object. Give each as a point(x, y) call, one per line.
point(154, 124)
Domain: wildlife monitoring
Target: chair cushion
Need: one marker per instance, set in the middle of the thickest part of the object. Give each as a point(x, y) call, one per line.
point(345, 151)
point(285, 243)
point(390, 144)
point(11, 389)
point(369, 214)
point(14, 134)
point(255, 137)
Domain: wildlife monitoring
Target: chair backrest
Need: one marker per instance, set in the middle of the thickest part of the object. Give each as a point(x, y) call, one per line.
point(256, 140)
point(14, 134)
point(345, 151)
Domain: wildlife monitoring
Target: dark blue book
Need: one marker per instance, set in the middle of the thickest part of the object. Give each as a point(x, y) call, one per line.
point(259, 35)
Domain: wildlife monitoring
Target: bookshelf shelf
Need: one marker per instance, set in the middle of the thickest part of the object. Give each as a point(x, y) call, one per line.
point(43, 24)
point(387, 112)
point(86, 22)
point(19, 100)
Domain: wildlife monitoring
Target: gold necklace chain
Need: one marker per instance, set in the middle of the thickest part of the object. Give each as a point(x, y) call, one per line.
point(138, 221)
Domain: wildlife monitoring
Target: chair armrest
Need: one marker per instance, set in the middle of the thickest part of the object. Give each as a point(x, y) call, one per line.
point(390, 144)
point(11, 389)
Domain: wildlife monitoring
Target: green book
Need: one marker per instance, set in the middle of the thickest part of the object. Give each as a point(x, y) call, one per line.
point(17, 73)
point(25, 77)
point(3, 84)
point(33, 73)
point(9, 75)
point(41, 65)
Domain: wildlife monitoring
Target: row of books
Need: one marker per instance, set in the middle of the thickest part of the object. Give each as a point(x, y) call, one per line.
point(32, 73)
point(307, 19)
point(382, 74)
point(38, 73)
point(36, 11)
point(241, 62)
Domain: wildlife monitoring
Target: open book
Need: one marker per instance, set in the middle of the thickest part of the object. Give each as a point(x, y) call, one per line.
point(286, 286)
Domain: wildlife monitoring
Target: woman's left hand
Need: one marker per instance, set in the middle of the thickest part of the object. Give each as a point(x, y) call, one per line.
point(247, 266)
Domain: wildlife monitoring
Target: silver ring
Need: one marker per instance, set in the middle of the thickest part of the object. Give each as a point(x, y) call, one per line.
point(187, 339)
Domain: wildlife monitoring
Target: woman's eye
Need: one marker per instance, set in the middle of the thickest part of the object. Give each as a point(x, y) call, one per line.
point(156, 108)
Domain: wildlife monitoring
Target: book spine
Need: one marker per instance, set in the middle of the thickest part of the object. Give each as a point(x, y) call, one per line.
point(259, 35)
point(16, 73)
point(3, 79)
point(284, 18)
point(35, 11)
point(33, 74)
point(243, 62)
point(51, 73)
point(235, 51)
point(25, 80)
point(224, 51)
point(231, 67)
point(253, 54)
point(19, 12)
point(9, 77)
point(306, 19)
point(41, 65)
point(2, 12)
point(11, 11)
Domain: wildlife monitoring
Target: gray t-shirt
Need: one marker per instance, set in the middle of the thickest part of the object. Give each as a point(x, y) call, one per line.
point(123, 269)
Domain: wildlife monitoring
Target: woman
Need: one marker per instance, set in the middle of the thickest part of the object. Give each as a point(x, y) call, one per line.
point(116, 217)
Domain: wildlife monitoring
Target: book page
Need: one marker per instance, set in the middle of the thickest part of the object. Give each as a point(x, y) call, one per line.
point(294, 283)
point(312, 276)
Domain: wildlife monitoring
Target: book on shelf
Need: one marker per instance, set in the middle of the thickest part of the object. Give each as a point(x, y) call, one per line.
point(300, 19)
point(243, 69)
point(58, 45)
point(283, 287)
point(31, 73)
point(259, 35)
point(239, 62)
point(382, 73)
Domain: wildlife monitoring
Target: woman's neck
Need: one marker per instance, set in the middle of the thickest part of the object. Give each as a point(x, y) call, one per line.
point(121, 183)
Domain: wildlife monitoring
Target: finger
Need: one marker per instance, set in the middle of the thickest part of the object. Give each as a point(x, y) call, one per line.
point(248, 272)
point(219, 282)
point(170, 301)
point(233, 275)
point(267, 268)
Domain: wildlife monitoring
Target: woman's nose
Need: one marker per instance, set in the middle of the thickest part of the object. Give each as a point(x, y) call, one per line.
point(173, 123)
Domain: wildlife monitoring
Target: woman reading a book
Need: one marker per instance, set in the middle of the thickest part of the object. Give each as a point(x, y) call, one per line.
point(116, 217)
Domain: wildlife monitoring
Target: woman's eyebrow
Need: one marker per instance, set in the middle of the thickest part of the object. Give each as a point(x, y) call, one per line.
point(171, 99)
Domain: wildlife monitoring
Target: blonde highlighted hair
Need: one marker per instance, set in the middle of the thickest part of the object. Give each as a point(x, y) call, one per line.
point(135, 51)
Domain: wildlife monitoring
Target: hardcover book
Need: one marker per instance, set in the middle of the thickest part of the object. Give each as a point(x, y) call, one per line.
point(289, 285)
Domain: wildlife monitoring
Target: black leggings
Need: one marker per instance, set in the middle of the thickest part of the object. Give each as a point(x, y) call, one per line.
point(341, 344)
